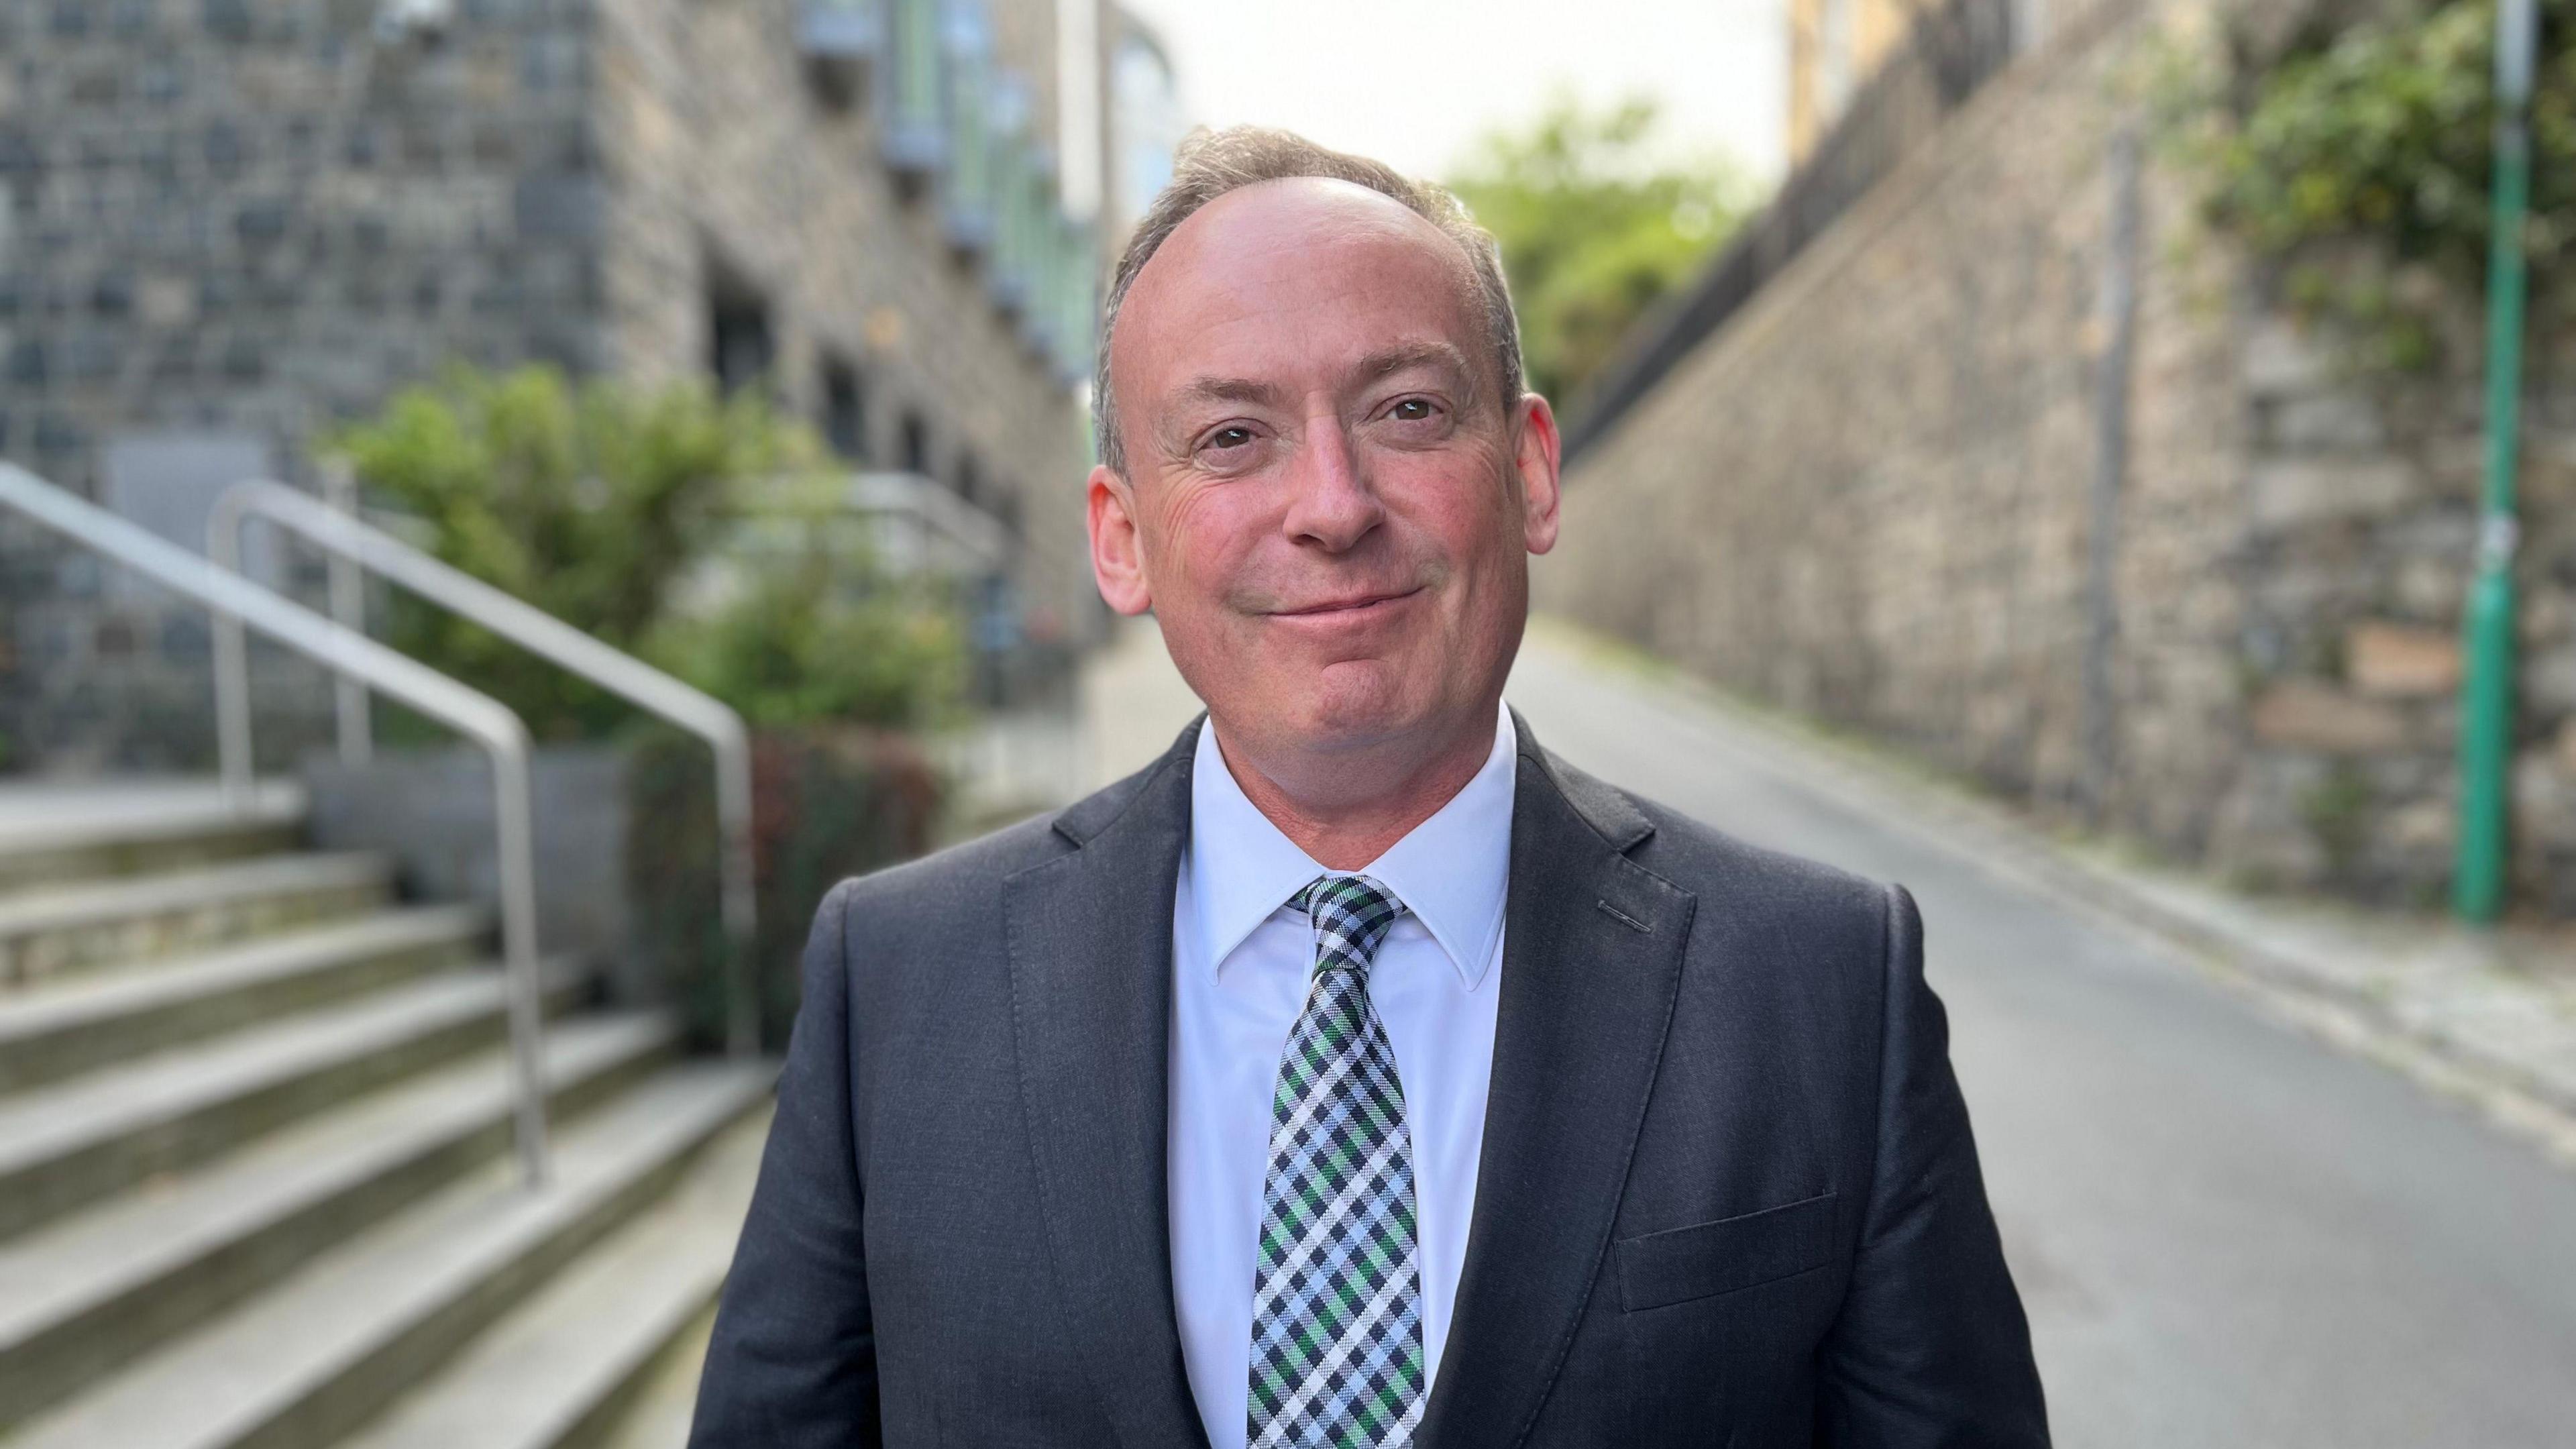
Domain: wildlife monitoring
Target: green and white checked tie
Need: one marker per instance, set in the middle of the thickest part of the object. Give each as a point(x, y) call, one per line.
point(1337, 1298)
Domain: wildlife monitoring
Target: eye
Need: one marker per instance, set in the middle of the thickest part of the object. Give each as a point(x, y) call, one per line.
point(1228, 446)
point(1414, 410)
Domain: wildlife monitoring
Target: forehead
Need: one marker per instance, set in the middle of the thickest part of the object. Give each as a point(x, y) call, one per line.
point(1288, 274)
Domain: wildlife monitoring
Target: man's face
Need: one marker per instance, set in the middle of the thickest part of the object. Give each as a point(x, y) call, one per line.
point(1328, 506)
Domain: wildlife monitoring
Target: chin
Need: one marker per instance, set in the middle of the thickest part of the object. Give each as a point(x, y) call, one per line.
point(1349, 711)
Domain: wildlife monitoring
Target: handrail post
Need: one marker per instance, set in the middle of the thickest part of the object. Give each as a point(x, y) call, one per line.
point(514, 815)
point(733, 821)
point(349, 606)
point(232, 682)
point(232, 708)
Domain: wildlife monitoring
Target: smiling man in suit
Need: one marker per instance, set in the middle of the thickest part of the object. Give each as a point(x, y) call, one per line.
point(1360, 1073)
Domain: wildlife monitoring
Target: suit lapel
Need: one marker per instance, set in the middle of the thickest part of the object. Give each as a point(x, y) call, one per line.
point(1592, 953)
point(1091, 966)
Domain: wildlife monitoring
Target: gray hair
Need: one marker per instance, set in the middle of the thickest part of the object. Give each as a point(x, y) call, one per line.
point(1212, 163)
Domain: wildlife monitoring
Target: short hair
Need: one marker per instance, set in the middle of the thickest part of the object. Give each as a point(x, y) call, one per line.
point(1211, 163)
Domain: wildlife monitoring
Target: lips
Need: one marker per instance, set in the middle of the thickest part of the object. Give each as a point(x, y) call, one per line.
point(1350, 604)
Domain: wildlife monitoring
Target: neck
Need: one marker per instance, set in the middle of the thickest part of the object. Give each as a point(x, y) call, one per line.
point(1345, 812)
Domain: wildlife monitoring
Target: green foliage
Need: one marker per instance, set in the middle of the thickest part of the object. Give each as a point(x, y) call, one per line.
point(797, 646)
point(595, 503)
point(1594, 228)
point(2378, 131)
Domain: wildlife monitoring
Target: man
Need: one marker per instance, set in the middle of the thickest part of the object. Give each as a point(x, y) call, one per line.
point(1360, 1073)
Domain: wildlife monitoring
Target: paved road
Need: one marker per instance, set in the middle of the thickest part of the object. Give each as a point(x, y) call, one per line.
point(2226, 1233)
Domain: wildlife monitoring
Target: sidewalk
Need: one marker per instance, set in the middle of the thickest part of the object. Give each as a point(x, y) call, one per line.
point(2488, 1018)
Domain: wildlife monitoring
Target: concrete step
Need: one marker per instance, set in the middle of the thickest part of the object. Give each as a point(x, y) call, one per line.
point(87, 925)
point(56, 831)
point(314, 1360)
point(97, 1289)
point(666, 1404)
point(572, 1363)
point(60, 1030)
point(107, 1285)
point(71, 1144)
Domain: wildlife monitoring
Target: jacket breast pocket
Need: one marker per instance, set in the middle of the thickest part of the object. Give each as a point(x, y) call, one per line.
point(1706, 1259)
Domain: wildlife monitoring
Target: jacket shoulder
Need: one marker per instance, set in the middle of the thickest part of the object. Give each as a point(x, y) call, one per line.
point(1735, 876)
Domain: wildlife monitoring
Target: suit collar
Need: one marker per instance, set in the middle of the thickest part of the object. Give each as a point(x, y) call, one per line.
point(1609, 814)
point(1091, 963)
point(1592, 956)
point(1089, 816)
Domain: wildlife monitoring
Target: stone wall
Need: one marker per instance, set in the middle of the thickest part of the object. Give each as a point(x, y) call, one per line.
point(1871, 497)
point(244, 221)
point(254, 216)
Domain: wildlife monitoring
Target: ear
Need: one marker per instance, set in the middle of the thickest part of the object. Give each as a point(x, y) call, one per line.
point(1536, 456)
point(1117, 560)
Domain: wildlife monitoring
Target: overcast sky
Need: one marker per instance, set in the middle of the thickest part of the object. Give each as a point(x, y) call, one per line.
point(1413, 82)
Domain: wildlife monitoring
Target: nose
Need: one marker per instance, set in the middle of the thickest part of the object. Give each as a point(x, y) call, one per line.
point(1330, 503)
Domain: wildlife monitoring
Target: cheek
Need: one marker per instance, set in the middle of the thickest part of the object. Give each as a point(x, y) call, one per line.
point(1196, 544)
point(1466, 514)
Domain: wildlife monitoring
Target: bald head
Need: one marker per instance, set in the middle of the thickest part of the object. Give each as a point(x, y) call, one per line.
point(1213, 166)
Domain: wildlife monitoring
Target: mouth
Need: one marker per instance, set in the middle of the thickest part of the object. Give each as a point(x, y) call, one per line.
point(1354, 606)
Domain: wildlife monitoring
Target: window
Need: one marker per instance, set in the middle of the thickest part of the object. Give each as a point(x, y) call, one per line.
point(839, 38)
point(739, 344)
point(914, 142)
point(966, 191)
point(845, 413)
point(916, 442)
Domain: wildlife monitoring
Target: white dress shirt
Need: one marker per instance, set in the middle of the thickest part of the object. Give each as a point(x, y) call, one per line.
point(1240, 964)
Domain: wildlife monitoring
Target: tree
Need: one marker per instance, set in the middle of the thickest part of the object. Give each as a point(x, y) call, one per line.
point(1597, 222)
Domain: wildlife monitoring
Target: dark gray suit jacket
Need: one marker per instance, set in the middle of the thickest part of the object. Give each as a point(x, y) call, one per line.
point(1727, 1196)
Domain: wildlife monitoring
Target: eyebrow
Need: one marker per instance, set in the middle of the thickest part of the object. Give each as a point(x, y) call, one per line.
point(1388, 361)
point(1228, 389)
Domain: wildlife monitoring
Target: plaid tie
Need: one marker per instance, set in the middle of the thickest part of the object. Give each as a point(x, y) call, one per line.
point(1337, 1300)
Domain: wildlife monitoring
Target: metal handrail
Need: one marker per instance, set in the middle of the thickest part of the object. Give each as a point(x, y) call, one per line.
point(541, 633)
point(237, 601)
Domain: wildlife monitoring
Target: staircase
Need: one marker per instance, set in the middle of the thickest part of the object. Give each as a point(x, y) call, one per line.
point(256, 1185)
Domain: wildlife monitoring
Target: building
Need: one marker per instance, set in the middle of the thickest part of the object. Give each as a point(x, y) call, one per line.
point(226, 225)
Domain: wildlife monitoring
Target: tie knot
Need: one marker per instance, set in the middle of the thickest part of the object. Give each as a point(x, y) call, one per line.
point(1352, 915)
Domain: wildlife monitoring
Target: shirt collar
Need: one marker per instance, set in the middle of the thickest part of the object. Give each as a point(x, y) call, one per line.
point(1450, 871)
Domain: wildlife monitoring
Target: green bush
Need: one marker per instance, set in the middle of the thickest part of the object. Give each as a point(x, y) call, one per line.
point(2376, 130)
point(800, 645)
point(596, 502)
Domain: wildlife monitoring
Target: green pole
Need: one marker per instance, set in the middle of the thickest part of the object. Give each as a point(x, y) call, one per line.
point(2486, 689)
